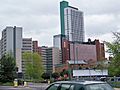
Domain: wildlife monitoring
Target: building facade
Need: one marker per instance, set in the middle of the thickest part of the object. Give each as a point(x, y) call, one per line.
point(91, 52)
point(82, 55)
point(72, 22)
point(44, 57)
point(50, 58)
point(74, 25)
point(72, 29)
point(36, 48)
point(63, 5)
point(83, 52)
point(11, 42)
point(53, 58)
point(27, 45)
point(57, 41)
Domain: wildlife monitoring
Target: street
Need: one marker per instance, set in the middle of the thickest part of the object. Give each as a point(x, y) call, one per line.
point(15, 88)
point(20, 88)
point(31, 86)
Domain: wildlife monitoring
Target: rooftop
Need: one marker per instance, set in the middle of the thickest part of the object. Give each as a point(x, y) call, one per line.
point(82, 82)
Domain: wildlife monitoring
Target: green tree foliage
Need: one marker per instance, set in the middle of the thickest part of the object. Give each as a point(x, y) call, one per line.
point(33, 65)
point(55, 75)
point(114, 50)
point(101, 65)
point(64, 72)
point(7, 69)
point(46, 76)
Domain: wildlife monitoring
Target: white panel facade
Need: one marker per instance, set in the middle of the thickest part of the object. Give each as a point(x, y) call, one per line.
point(11, 42)
point(96, 72)
point(57, 41)
point(18, 42)
point(74, 24)
point(27, 45)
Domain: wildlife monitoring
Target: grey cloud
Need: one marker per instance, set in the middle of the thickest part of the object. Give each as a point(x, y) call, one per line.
point(42, 17)
point(45, 38)
point(29, 7)
point(98, 6)
point(32, 22)
point(100, 24)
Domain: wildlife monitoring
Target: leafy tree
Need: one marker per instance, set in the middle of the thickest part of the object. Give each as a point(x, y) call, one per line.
point(55, 75)
point(7, 68)
point(101, 65)
point(64, 72)
point(114, 50)
point(46, 76)
point(33, 65)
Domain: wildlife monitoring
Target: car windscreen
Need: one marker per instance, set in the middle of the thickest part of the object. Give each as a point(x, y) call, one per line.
point(99, 87)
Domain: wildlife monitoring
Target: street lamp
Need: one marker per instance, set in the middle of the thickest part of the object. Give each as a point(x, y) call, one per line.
point(77, 55)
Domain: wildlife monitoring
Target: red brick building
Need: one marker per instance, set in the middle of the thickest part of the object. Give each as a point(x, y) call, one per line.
point(91, 51)
point(36, 48)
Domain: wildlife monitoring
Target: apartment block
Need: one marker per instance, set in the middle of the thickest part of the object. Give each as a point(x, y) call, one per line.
point(11, 42)
point(27, 45)
point(36, 48)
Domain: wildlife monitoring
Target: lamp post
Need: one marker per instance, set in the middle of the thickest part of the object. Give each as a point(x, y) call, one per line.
point(77, 56)
point(73, 54)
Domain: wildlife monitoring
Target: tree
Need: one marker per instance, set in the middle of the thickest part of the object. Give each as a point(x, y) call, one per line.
point(55, 75)
point(7, 68)
point(46, 76)
point(33, 65)
point(64, 72)
point(114, 50)
point(101, 65)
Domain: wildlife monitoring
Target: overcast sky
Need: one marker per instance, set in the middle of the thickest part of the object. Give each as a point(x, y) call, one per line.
point(40, 18)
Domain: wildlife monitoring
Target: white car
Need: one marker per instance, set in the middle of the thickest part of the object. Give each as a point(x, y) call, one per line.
point(79, 85)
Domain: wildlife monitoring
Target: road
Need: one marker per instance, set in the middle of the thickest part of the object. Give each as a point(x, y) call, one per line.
point(29, 87)
point(20, 88)
point(14, 88)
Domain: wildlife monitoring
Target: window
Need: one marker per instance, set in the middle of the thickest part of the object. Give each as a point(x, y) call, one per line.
point(99, 87)
point(79, 87)
point(71, 87)
point(53, 87)
point(65, 87)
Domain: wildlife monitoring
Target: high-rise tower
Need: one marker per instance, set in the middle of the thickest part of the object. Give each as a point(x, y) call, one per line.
point(11, 42)
point(63, 5)
point(74, 26)
point(72, 22)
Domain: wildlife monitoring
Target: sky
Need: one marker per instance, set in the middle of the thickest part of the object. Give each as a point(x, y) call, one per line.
point(40, 19)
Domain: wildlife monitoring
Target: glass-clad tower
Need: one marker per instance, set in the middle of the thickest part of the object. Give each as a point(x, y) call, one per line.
point(63, 5)
point(72, 22)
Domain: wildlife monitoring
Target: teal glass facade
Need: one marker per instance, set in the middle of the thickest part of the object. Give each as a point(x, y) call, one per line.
point(63, 5)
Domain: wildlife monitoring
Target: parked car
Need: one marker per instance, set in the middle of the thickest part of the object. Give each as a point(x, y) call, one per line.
point(79, 85)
